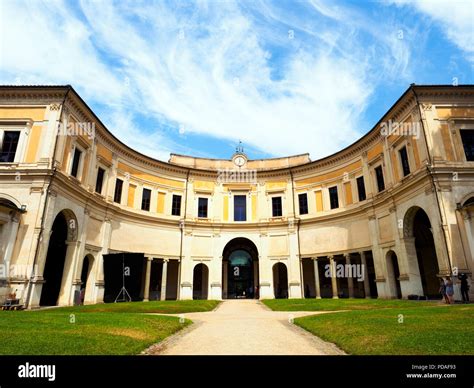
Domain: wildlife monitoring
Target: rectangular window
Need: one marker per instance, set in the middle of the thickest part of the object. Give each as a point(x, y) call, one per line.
point(467, 137)
point(380, 181)
point(176, 205)
point(76, 159)
point(118, 191)
point(277, 210)
point(303, 202)
point(361, 188)
point(146, 197)
point(333, 198)
point(202, 207)
point(9, 146)
point(404, 159)
point(100, 180)
point(240, 207)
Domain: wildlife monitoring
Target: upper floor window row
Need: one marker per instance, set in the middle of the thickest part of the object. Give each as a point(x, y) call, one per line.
point(146, 198)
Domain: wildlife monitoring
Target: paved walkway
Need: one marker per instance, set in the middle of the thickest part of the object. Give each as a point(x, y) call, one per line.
point(243, 327)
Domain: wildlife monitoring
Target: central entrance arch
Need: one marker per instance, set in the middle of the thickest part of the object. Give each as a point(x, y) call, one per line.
point(240, 270)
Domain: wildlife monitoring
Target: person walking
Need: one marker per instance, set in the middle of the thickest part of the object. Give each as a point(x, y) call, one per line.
point(464, 287)
point(442, 290)
point(449, 289)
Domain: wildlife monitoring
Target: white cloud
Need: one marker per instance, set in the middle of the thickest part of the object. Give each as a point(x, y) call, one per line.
point(456, 19)
point(206, 68)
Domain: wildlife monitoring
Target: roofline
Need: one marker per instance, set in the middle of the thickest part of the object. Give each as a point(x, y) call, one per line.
point(226, 160)
point(411, 88)
point(71, 88)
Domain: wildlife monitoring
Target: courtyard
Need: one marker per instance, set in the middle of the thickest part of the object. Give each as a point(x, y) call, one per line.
point(243, 327)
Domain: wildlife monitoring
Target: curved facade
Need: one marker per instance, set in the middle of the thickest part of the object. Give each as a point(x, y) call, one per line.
point(384, 217)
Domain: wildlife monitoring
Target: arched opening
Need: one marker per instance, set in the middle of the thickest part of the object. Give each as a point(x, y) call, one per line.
point(393, 272)
point(85, 276)
point(240, 270)
point(200, 281)
point(421, 252)
point(280, 281)
point(55, 258)
point(426, 254)
point(10, 214)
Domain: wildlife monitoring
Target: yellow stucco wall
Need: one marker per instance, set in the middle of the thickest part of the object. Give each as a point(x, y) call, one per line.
point(27, 113)
point(225, 214)
point(148, 177)
point(33, 144)
point(374, 151)
point(160, 206)
point(254, 207)
point(319, 200)
point(131, 195)
point(330, 175)
point(348, 192)
point(104, 152)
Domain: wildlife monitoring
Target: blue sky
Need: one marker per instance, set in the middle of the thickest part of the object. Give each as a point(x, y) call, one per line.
point(285, 77)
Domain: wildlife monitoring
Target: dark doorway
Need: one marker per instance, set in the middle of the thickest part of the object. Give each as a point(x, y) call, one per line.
point(240, 270)
point(280, 281)
point(54, 266)
point(394, 273)
point(115, 276)
point(200, 281)
point(308, 278)
point(370, 272)
point(86, 270)
point(155, 279)
point(426, 254)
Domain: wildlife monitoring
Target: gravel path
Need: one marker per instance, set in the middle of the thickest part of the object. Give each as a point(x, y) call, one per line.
point(244, 327)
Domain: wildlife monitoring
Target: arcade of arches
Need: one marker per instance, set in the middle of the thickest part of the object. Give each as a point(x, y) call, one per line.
point(158, 279)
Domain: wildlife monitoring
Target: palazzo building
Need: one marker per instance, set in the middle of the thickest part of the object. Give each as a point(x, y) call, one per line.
point(82, 214)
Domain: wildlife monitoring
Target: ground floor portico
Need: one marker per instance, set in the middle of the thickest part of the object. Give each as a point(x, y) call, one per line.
point(227, 264)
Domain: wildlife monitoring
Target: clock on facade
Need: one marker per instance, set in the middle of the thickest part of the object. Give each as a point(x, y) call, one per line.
point(240, 160)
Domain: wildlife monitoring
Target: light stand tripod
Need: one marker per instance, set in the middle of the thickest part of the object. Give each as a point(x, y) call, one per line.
point(123, 294)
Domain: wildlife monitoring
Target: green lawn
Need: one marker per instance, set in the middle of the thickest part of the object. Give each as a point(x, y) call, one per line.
point(105, 329)
point(162, 307)
point(343, 304)
point(428, 330)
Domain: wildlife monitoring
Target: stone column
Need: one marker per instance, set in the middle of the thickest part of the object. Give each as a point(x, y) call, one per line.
point(317, 286)
point(332, 265)
point(68, 285)
point(350, 279)
point(163, 279)
point(146, 291)
point(255, 275)
point(467, 216)
point(224, 280)
point(366, 274)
